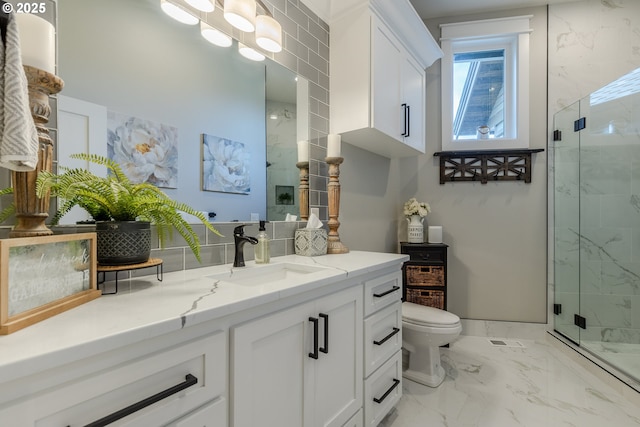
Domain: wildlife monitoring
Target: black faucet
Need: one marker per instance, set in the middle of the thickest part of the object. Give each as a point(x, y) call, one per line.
point(240, 239)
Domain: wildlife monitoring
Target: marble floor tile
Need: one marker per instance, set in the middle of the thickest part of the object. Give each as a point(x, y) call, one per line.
point(489, 386)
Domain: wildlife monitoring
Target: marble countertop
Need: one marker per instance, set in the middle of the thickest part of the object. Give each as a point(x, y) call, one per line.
point(149, 308)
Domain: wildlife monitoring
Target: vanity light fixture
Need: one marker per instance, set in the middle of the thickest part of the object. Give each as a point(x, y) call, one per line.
point(268, 33)
point(241, 14)
point(250, 53)
point(178, 13)
point(245, 15)
point(202, 5)
point(214, 35)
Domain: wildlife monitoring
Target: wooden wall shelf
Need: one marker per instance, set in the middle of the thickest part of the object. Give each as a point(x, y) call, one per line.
point(486, 165)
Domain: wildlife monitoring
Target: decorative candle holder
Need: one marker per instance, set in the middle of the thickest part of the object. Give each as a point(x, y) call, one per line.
point(334, 245)
point(32, 211)
point(303, 190)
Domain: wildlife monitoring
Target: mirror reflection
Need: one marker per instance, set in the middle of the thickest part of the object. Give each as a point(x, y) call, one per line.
point(133, 70)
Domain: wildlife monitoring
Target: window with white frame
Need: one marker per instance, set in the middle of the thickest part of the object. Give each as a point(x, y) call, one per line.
point(485, 84)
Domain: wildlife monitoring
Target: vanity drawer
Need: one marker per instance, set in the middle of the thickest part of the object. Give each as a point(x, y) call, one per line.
point(383, 390)
point(382, 291)
point(172, 371)
point(212, 415)
point(435, 255)
point(382, 336)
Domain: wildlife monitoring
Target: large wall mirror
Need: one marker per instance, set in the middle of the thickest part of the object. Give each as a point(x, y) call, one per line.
point(155, 80)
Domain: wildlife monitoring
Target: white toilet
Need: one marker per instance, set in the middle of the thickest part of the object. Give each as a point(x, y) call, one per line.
point(424, 330)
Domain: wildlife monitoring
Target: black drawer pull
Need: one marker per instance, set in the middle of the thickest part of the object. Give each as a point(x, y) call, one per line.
point(325, 348)
point(388, 337)
point(189, 380)
point(314, 354)
point(395, 288)
point(425, 256)
point(388, 392)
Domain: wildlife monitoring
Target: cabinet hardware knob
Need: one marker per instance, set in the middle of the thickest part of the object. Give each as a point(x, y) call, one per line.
point(388, 392)
point(395, 288)
point(189, 381)
point(325, 348)
point(314, 354)
point(388, 337)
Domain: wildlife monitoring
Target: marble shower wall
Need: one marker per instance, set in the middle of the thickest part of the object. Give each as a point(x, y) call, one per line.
point(282, 154)
point(592, 43)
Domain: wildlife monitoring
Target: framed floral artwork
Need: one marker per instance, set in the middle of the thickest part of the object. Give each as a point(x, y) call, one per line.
point(225, 165)
point(146, 151)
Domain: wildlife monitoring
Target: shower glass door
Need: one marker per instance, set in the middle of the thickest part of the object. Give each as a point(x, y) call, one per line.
point(597, 223)
point(566, 155)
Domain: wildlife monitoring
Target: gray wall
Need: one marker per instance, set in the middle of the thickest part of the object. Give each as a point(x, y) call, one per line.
point(496, 232)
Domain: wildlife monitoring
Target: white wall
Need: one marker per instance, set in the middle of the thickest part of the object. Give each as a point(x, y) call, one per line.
point(132, 58)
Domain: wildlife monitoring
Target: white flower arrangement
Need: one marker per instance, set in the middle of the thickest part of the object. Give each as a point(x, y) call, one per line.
point(414, 207)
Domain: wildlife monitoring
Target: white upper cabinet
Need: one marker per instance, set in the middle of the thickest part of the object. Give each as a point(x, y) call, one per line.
point(379, 53)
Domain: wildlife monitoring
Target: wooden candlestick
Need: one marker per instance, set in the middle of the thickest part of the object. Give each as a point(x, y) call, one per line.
point(32, 211)
point(334, 245)
point(303, 190)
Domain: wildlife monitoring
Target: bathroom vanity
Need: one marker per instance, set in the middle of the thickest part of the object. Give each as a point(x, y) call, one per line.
point(298, 342)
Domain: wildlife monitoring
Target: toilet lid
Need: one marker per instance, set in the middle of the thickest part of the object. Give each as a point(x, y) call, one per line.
point(423, 315)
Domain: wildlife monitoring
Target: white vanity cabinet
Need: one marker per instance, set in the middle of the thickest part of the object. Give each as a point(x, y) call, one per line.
point(301, 366)
point(382, 346)
point(286, 354)
point(379, 53)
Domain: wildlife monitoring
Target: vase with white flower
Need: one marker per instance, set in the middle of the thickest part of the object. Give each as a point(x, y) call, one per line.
point(415, 212)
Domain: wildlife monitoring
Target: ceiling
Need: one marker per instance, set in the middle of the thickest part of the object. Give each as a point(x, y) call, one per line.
point(428, 9)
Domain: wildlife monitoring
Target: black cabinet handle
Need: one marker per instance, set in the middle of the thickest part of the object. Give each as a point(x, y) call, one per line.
point(188, 382)
point(425, 256)
point(314, 354)
point(408, 124)
point(395, 288)
point(325, 348)
point(388, 337)
point(404, 110)
point(388, 392)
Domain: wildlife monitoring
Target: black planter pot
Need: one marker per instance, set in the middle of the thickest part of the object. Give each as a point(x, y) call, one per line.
point(123, 242)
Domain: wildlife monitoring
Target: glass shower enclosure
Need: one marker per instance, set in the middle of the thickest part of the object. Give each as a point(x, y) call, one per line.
point(596, 210)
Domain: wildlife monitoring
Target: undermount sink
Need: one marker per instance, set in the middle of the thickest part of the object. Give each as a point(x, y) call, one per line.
point(269, 273)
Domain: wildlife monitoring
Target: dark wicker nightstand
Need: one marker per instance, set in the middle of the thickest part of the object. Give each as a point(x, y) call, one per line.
point(424, 276)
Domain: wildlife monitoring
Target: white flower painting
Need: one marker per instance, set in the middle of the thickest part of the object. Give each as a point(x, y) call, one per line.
point(146, 151)
point(225, 165)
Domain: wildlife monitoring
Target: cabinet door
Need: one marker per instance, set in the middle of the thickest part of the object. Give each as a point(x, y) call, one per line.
point(269, 361)
point(387, 111)
point(413, 95)
point(338, 372)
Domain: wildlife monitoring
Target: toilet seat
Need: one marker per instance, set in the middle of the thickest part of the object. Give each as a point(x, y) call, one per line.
point(421, 315)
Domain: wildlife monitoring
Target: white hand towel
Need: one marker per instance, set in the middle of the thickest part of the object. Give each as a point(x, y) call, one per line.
point(18, 136)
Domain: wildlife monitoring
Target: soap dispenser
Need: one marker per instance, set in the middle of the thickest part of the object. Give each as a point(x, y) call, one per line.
point(262, 248)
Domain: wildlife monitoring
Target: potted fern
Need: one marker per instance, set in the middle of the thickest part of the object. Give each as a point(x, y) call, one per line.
point(124, 211)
